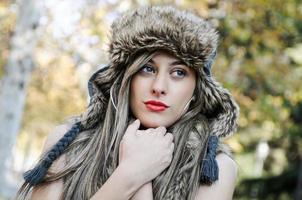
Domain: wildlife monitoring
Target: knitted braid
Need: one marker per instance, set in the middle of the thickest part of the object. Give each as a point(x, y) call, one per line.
point(93, 114)
point(37, 174)
point(171, 193)
point(181, 185)
point(179, 188)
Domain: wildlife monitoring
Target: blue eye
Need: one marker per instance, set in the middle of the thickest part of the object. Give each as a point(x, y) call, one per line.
point(175, 73)
point(147, 69)
point(179, 73)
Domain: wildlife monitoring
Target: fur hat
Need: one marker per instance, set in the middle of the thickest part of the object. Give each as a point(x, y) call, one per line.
point(185, 34)
point(190, 38)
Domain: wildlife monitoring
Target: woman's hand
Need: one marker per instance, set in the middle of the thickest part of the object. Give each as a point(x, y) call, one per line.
point(145, 154)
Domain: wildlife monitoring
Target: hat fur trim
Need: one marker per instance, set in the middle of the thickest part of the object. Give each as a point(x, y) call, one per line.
point(185, 34)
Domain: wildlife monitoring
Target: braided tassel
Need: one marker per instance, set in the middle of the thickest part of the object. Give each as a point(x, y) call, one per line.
point(37, 174)
point(210, 170)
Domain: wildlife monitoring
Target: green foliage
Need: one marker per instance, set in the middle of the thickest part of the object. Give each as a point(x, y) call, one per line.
point(260, 62)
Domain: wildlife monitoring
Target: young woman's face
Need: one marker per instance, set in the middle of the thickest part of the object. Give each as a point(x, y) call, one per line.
point(160, 90)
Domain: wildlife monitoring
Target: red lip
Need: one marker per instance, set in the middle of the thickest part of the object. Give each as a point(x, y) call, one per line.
point(155, 105)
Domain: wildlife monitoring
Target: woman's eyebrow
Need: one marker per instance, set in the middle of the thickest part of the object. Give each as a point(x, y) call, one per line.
point(177, 62)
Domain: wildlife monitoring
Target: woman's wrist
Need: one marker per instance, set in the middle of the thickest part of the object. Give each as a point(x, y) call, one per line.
point(134, 180)
point(144, 193)
point(120, 186)
point(146, 187)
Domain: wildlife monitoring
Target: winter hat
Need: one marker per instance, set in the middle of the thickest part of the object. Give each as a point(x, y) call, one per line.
point(181, 32)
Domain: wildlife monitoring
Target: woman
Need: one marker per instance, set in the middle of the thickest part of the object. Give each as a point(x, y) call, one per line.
point(154, 122)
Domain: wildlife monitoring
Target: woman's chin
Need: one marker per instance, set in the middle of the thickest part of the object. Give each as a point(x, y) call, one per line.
point(145, 124)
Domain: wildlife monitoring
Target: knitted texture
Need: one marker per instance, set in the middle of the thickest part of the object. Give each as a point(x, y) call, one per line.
point(37, 174)
point(209, 172)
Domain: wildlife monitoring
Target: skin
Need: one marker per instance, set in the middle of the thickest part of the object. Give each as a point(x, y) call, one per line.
point(145, 153)
point(164, 78)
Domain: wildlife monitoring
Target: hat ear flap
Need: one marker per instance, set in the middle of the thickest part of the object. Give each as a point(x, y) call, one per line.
point(99, 91)
point(219, 107)
point(92, 80)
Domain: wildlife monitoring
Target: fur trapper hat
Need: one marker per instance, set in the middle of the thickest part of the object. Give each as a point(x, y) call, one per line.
point(189, 37)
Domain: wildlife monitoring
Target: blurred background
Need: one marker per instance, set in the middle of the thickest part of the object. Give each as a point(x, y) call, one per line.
point(49, 48)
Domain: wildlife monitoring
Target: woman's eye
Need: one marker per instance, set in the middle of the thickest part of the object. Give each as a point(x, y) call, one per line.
point(147, 69)
point(179, 73)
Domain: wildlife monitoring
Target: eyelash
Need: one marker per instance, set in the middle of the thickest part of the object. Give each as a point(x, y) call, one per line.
point(145, 67)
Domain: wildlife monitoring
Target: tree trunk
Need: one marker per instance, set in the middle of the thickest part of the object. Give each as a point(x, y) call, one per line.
point(14, 84)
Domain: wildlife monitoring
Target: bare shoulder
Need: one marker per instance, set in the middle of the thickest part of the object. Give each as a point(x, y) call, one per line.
point(224, 187)
point(52, 190)
point(55, 135)
point(227, 166)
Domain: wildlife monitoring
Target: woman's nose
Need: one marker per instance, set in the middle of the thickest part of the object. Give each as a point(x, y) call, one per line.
point(159, 86)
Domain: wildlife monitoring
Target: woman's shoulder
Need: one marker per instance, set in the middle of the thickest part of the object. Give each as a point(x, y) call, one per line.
point(224, 187)
point(227, 164)
point(55, 135)
point(54, 189)
point(225, 159)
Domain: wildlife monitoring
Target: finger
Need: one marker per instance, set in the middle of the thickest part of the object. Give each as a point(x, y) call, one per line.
point(161, 130)
point(149, 130)
point(132, 128)
point(169, 137)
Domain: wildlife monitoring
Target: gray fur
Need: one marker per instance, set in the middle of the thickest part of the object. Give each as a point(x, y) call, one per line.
point(187, 36)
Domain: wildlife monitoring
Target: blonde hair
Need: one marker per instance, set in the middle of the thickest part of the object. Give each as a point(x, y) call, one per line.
point(93, 156)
